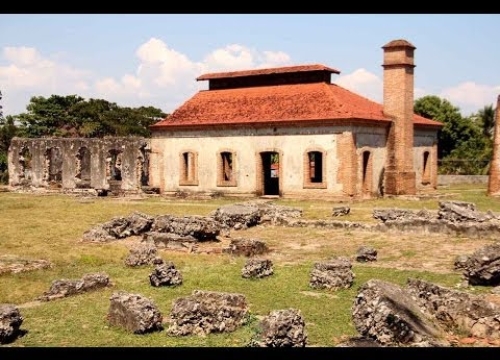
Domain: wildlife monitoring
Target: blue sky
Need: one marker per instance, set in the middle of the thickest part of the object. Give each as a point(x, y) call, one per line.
point(143, 59)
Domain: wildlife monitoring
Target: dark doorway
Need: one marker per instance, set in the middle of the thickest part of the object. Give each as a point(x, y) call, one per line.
point(271, 172)
point(53, 158)
point(114, 170)
point(25, 166)
point(83, 168)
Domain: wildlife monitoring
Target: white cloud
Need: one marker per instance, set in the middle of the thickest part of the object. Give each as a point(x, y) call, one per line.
point(470, 96)
point(362, 82)
point(164, 78)
point(22, 55)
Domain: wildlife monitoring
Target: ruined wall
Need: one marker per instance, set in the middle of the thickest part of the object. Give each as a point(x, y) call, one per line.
point(425, 159)
point(73, 163)
point(247, 144)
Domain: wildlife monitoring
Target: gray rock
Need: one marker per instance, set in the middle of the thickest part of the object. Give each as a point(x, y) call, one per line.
point(246, 247)
point(334, 274)
point(135, 313)
point(483, 266)
point(238, 216)
point(456, 309)
point(257, 268)
point(386, 313)
point(165, 275)
point(461, 211)
point(64, 287)
point(144, 253)
point(366, 254)
point(460, 262)
point(206, 312)
point(282, 328)
point(10, 323)
point(171, 241)
point(200, 227)
point(120, 228)
point(341, 211)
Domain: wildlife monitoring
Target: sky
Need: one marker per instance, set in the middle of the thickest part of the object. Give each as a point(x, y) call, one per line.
point(154, 59)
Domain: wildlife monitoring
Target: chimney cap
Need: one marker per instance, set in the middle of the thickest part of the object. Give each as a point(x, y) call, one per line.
point(398, 43)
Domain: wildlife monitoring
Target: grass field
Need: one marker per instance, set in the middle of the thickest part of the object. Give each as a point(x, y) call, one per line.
point(50, 227)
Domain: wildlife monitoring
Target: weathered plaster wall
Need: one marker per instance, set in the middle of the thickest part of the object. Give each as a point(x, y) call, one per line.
point(425, 141)
point(31, 165)
point(246, 144)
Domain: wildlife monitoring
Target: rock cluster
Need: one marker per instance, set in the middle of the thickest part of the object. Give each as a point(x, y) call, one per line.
point(204, 312)
point(64, 287)
point(333, 274)
point(135, 313)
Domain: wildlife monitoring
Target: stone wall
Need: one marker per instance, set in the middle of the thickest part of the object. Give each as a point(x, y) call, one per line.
point(78, 163)
point(445, 180)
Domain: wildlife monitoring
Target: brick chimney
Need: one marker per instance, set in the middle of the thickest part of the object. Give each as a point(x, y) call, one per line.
point(398, 105)
point(494, 178)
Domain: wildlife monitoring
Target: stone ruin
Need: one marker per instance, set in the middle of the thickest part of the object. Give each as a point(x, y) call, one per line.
point(15, 265)
point(115, 165)
point(281, 328)
point(165, 274)
point(171, 241)
point(144, 253)
point(341, 211)
point(421, 314)
point(248, 214)
point(207, 312)
point(366, 254)
point(10, 323)
point(482, 267)
point(453, 218)
point(135, 313)
point(237, 216)
point(246, 247)
point(120, 227)
point(461, 211)
point(257, 268)
point(63, 288)
point(389, 315)
point(454, 309)
point(333, 274)
point(186, 232)
point(200, 228)
point(386, 215)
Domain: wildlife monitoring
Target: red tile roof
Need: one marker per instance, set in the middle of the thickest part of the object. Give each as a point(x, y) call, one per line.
point(278, 70)
point(278, 104)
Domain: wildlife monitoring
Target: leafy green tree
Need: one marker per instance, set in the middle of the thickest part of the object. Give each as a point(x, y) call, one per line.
point(73, 116)
point(486, 119)
point(463, 147)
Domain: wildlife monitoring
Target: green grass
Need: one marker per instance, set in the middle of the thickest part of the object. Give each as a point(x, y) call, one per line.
point(50, 227)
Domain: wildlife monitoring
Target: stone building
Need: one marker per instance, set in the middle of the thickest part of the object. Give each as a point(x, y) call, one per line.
point(291, 132)
point(286, 131)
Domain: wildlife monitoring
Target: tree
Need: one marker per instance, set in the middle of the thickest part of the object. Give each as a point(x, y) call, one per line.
point(73, 116)
point(486, 119)
point(463, 147)
point(1, 107)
